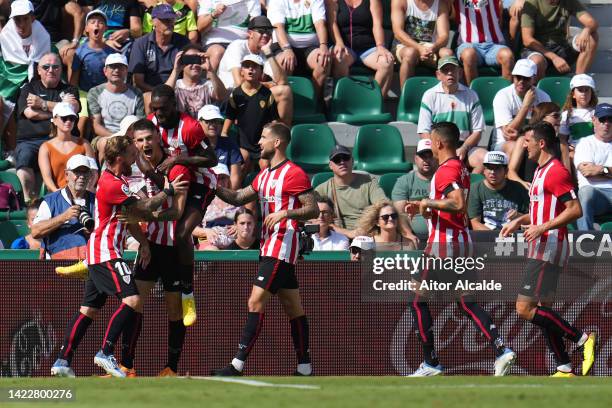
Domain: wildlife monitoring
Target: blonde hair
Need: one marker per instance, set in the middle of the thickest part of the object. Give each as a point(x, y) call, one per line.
point(368, 222)
point(115, 147)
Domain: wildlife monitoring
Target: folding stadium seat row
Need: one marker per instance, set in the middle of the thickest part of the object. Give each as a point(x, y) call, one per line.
point(11, 230)
point(11, 178)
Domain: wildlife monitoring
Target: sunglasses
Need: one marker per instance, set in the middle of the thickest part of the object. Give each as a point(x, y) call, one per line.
point(115, 66)
point(387, 217)
point(48, 67)
point(341, 158)
point(606, 119)
point(355, 250)
point(68, 118)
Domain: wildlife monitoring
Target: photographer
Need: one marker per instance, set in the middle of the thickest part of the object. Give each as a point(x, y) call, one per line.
point(64, 218)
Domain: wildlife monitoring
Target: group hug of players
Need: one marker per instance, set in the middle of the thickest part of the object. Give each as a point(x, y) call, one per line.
point(170, 150)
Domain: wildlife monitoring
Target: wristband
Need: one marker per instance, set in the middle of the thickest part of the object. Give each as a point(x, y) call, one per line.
point(169, 191)
point(286, 47)
point(270, 55)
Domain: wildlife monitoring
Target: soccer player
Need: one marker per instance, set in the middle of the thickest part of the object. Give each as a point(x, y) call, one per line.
point(446, 209)
point(553, 205)
point(285, 197)
point(108, 272)
point(184, 141)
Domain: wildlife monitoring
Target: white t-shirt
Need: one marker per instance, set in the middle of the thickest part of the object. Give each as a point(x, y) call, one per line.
point(333, 242)
point(579, 125)
point(232, 24)
point(592, 150)
point(299, 17)
point(506, 105)
point(232, 58)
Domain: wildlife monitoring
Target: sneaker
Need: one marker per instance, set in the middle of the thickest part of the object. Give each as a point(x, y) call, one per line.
point(129, 372)
point(504, 362)
point(108, 364)
point(167, 372)
point(189, 310)
point(228, 371)
point(563, 374)
point(426, 370)
point(61, 369)
point(78, 270)
point(588, 352)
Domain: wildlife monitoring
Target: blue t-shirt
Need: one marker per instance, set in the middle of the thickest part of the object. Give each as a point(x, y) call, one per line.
point(20, 243)
point(228, 152)
point(91, 64)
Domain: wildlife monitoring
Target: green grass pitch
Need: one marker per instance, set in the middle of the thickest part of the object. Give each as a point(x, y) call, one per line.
point(293, 392)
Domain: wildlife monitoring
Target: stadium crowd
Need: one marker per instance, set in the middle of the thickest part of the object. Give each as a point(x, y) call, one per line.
point(74, 74)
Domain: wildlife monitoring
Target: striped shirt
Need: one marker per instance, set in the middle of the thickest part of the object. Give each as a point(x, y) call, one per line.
point(278, 189)
point(448, 232)
point(478, 21)
point(551, 187)
point(298, 17)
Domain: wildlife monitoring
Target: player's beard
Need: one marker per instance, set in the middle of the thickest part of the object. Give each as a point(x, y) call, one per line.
point(267, 154)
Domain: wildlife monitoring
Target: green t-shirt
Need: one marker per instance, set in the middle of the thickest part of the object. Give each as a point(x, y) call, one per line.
point(185, 22)
point(492, 207)
point(550, 22)
point(354, 198)
point(411, 187)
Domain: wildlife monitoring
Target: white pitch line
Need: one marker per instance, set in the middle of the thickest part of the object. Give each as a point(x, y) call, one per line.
point(255, 383)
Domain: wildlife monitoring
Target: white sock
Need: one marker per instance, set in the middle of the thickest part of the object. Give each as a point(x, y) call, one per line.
point(304, 369)
point(566, 368)
point(583, 339)
point(238, 364)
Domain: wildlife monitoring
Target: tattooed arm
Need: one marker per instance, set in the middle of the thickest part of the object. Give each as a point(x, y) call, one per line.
point(237, 198)
point(308, 211)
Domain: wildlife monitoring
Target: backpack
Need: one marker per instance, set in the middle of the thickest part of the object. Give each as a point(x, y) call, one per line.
point(8, 198)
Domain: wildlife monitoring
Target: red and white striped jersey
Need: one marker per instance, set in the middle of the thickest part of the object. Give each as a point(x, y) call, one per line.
point(162, 232)
point(479, 21)
point(106, 242)
point(185, 138)
point(448, 232)
point(551, 187)
point(278, 189)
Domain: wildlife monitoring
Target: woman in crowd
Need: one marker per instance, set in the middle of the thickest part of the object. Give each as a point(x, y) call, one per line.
point(577, 111)
point(381, 222)
point(245, 231)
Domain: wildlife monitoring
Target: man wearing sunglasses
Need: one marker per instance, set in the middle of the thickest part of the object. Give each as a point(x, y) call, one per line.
point(513, 105)
point(593, 161)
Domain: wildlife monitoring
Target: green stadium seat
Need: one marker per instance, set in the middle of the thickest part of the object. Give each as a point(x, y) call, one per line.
point(304, 101)
point(387, 181)
point(379, 149)
point(310, 146)
point(410, 99)
point(475, 178)
point(321, 178)
point(11, 230)
point(556, 87)
point(357, 101)
point(4, 164)
point(487, 88)
point(600, 219)
point(8, 177)
point(607, 226)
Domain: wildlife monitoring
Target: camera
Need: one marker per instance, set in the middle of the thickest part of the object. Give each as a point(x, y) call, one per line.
point(305, 236)
point(86, 220)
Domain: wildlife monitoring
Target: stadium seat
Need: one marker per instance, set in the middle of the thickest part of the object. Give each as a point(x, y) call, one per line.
point(11, 230)
point(357, 101)
point(4, 164)
point(486, 88)
point(304, 101)
point(11, 178)
point(379, 149)
point(321, 178)
point(387, 181)
point(556, 87)
point(606, 226)
point(600, 219)
point(410, 99)
point(310, 147)
point(475, 178)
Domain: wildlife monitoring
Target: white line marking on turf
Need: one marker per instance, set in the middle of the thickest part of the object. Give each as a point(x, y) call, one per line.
point(255, 383)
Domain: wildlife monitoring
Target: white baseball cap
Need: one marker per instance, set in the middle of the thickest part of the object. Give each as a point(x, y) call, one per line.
point(95, 12)
point(496, 157)
point(423, 145)
point(125, 123)
point(364, 242)
point(78, 160)
point(253, 58)
point(209, 112)
point(525, 68)
point(63, 109)
point(221, 169)
point(582, 80)
point(21, 8)
point(116, 59)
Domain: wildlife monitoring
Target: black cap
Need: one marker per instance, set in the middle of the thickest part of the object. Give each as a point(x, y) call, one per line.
point(260, 22)
point(339, 149)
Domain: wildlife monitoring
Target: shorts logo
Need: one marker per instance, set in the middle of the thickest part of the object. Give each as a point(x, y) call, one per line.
point(127, 279)
point(527, 287)
point(260, 278)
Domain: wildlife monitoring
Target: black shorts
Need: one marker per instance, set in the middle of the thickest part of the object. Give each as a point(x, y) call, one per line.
point(301, 56)
point(275, 274)
point(109, 278)
point(540, 280)
point(199, 196)
point(26, 153)
point(163, 265)
point(565, 51)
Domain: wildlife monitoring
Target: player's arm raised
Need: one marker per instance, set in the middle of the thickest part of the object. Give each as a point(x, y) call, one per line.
point(204, 157)
point(237, 198)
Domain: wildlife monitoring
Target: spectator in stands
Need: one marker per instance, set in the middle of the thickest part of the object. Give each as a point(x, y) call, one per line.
point(482, 44)
point(57, 221)
point(125, 129)
point(513, 105)
point(545, 28)
point(185, 23)
point(28, 242)
point(361, 247)
point(124, 20)
point(251, 106)
point(496, 200)
point(220, 24)
point(577, 111)
point(593, 161)
point(55, 153)
point(415, 185)
point(357, 30)
point(34, 106)
point(421, 29)
point(199, 84)
point(245, 227)
point(228, 153)
point(381, 221)
point(301, 32)
point(153, 55)
point(451, 101)
point(327, 239)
